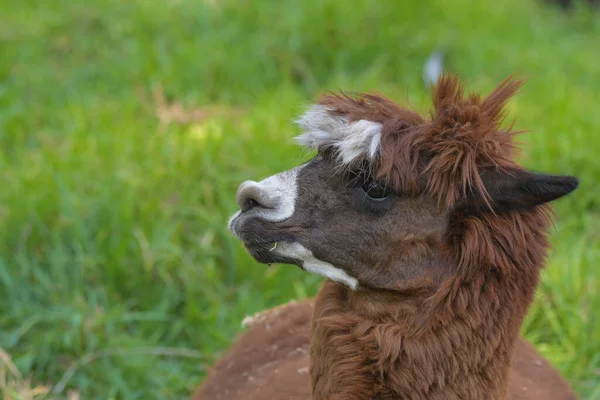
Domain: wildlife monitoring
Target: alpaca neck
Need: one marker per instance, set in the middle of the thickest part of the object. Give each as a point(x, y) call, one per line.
point(455, 342)
point(365, 346)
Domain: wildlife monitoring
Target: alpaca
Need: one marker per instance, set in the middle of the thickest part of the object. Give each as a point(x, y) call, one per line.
point(432, 239)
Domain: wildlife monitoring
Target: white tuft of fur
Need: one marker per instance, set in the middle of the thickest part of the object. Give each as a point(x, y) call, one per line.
point(312, 264)
point(352, 140)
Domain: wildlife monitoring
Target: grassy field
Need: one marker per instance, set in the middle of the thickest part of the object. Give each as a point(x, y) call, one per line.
point(125, 128)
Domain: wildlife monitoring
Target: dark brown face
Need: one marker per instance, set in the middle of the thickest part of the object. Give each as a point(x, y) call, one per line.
point(341, 225)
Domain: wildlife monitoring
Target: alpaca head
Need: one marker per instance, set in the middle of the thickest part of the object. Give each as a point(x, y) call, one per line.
point(375, 207)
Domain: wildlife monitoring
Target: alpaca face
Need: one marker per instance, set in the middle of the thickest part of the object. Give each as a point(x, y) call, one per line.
point(342, 225)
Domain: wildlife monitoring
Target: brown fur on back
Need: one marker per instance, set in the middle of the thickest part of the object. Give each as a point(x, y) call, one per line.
point(250, 371)
point(269, 361)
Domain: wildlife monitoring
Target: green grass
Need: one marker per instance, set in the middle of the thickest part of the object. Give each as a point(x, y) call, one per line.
point(118, 278)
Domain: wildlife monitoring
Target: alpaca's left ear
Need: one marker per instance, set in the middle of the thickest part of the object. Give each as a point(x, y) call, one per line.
point(519, 189)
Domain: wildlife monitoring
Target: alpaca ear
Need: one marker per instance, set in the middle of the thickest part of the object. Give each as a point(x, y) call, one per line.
point(520, 189)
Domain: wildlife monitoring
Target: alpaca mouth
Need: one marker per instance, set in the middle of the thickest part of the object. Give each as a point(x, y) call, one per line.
point(265, 254)
point(261, 239)
point(260, 253)
point(263, 248)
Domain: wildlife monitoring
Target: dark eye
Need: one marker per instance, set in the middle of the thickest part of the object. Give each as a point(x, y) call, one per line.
point(376, 191)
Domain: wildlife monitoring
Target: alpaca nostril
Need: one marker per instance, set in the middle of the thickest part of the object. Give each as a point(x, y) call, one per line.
point(249, 204)
point(250, 195)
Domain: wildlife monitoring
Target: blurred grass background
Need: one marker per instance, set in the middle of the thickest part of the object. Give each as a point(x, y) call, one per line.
point(125, 128)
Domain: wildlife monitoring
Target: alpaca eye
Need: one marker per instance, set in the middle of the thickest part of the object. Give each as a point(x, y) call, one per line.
point(376, 191)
